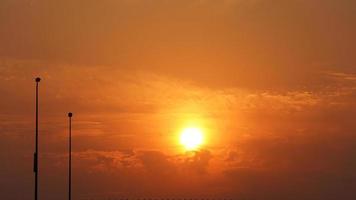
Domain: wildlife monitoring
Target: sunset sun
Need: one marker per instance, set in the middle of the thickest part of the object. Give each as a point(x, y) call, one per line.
point(191, 138)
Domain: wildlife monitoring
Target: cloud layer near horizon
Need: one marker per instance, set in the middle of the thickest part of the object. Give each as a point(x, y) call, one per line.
point(125, 146)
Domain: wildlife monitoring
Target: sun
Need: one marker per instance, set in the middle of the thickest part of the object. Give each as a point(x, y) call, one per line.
point(191, 138)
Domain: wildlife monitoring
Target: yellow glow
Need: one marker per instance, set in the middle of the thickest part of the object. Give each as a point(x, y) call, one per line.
point(191, 138)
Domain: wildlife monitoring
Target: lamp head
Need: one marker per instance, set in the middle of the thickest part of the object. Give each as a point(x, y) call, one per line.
point(70, 114)
point(38, 79)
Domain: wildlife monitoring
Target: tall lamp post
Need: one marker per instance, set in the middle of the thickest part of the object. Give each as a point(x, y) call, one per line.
point(35, 157)
point(70, 158)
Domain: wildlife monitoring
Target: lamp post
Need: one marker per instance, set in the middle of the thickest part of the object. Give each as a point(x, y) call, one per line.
point(35, 157)
point(70, 158)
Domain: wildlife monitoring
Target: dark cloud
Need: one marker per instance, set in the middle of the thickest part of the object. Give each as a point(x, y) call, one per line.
point(157, 163)
point(199, 162)
point(271, 184)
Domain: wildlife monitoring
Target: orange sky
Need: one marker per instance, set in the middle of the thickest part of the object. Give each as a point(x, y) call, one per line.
point(272, 83)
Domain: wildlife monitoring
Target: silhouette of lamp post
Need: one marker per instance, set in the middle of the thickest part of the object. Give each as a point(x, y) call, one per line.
point(70, 158)
point(35, 157)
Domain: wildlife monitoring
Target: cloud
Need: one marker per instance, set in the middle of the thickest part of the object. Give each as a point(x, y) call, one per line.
point(199, 162)
point(156, 162)
point(152, 162)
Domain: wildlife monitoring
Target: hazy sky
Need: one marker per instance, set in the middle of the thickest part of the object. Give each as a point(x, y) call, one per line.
point(272, 83)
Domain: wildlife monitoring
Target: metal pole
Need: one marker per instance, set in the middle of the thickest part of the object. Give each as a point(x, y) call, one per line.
point(35, 159)
point(70, 158)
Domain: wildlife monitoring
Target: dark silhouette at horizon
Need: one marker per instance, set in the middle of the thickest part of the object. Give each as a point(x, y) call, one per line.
point(35, 161)
point(70, 158)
